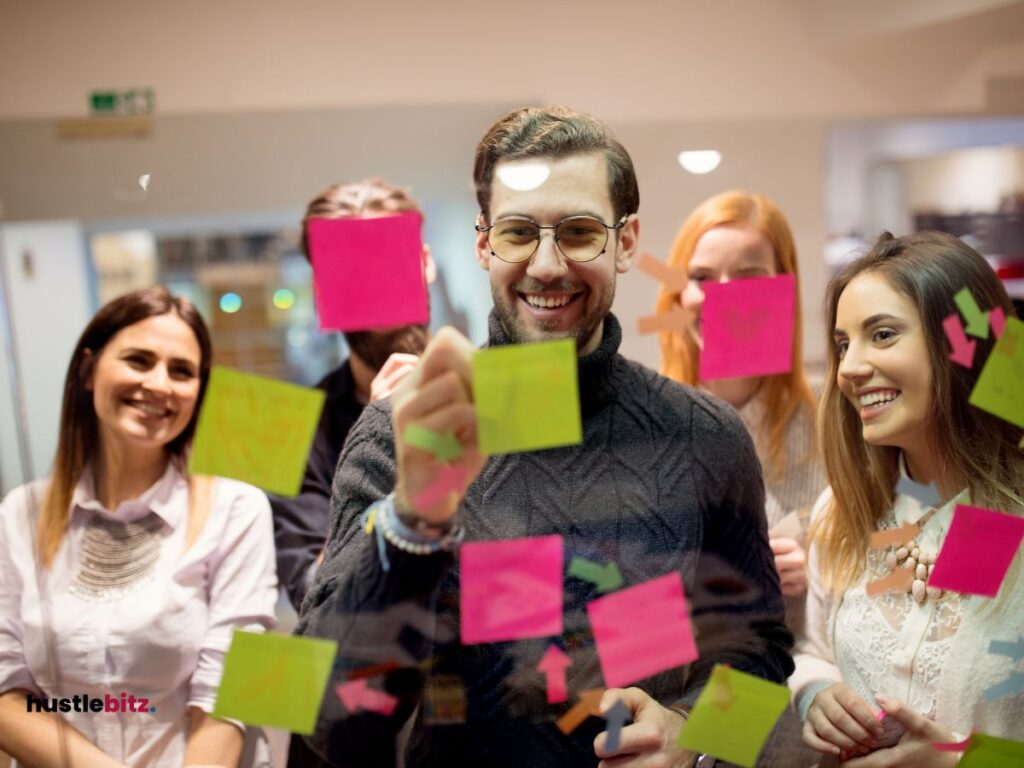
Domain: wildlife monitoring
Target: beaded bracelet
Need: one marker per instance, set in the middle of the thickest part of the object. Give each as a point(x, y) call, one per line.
point(406, 539)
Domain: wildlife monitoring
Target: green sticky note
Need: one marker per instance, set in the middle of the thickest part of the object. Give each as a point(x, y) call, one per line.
point(1000, 387)
point(991, 752)
point(255, 429)
point(444, 446)
point(733, 716)
point(275, 680)
point(527, 397)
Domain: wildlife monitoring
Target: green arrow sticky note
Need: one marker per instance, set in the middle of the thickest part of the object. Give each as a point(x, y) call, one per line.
point(604, 577)
point(444, 446)
point(991, 752)
point(977, 321)
point(527, 397)
point(255, 429)
point(275, 680)
point(733, 716)
point(1000, 387)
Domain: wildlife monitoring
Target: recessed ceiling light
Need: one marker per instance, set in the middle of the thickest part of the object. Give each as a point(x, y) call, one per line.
point(700, 160)
point(523, 177)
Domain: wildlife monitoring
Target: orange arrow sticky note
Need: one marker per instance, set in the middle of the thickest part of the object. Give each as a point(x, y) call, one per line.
point(673, 320)
point(900, 580)
point(587, 705)
point(893, 536)
point(674, 279)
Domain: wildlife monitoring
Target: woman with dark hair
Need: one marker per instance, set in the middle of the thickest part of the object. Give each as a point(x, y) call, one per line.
point(732, 236)
point(121, 576)
point(895, 406)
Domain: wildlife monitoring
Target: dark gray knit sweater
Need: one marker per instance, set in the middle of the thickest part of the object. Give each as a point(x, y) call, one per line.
point(666, 479)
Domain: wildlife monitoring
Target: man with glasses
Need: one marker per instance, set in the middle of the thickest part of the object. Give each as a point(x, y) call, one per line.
point(666, 480)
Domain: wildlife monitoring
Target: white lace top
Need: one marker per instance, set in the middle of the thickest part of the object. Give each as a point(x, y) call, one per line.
point(932, 656)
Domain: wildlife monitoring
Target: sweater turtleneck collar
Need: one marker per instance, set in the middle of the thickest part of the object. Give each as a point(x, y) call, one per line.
point(595, 369)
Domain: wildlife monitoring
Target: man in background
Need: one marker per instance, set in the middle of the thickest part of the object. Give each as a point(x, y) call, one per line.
point(377, 360)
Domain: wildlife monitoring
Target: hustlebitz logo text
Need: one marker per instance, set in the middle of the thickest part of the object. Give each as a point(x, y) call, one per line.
point(123, 702)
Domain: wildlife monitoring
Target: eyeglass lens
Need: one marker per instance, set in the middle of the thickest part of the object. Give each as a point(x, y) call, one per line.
point(579, 239)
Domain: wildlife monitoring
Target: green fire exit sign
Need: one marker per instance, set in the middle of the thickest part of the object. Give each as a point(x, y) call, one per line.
point(133, 101)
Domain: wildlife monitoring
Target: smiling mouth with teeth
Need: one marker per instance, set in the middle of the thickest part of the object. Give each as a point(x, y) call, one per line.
point(548, 302)
point(877, 399)
point(150, 409)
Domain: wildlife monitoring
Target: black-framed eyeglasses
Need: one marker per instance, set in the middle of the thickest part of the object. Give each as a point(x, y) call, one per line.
point(579, 238)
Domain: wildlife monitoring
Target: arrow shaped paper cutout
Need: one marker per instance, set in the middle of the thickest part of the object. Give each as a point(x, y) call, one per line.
point(674, 279)
point(604, 577)
point(1012, 648)
point(997, 319)
point(449, 480)
point(963, 350)
point(977, 321)
point(893, 536)
point(673, 320)
point(899, 580)
point(581, 710)
point(357, 695)
point(1012, 685)
point(616, 717)
point(954, 746)
point(553, 664)
point(444, 446)
point(928, 495)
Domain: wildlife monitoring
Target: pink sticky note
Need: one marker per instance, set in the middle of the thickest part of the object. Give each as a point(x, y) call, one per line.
point(511, 589)
point(747, 327)
point(368, 273)
point(642, 630)
point(977, 551)
point(997, 319)
point(448, 479)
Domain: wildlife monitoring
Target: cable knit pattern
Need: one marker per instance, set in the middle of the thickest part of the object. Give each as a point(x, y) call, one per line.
point(666, 479)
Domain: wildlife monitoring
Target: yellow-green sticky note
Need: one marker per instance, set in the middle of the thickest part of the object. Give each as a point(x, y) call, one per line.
point(527, 397)
point(275, 680)
point(990, 752)
point(1000, 387)
point(733, 716)
point(255, 429)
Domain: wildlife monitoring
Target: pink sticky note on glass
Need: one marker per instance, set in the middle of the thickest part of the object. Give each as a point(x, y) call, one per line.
point(368, 273)
point(977, 552)
point(747, 327)
point(511, 589)
point(642, 630)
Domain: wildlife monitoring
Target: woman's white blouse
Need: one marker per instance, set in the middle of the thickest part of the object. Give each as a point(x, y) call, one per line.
point(933, 656)
point(164, 639)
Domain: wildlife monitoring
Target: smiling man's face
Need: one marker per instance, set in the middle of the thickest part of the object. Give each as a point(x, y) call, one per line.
point(550, 296)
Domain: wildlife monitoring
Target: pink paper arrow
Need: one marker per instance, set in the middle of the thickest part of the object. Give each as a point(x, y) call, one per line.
point(449, 479)
point(997, 319)
point(963, 350)
point(356, 695)
point(553, 665)
point(673, 320)
point(674, 279)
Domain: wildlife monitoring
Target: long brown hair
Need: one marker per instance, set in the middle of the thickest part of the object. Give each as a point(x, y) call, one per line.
point(78, 440)
point(929, 268)
point(785, 393)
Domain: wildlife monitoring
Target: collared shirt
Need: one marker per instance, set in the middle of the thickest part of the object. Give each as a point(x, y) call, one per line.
point(162, 638)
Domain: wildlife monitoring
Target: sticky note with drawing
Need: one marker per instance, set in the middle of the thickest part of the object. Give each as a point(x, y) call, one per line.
point(1000, 387)
point(368, 273)
point(747, 327)
point(275, 680)
point(510, 589)
point(527, 397)
point(255, 429)
point(733, 716)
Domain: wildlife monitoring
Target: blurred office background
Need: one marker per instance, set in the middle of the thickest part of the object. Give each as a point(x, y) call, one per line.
point(179, 143)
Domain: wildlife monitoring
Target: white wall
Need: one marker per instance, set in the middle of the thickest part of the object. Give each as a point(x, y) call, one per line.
point(49, 282)
point(642, 61)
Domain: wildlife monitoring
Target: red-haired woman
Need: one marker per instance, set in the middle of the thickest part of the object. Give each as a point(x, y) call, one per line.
point(122, 577)
point(732, 236)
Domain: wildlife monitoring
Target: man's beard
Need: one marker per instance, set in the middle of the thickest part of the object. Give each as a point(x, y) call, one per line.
point(375, 347)
point(519, 332)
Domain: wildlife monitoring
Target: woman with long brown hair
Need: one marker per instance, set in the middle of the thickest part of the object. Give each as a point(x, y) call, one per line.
point(896, 406)
point(122, 577)
point(732, 236)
